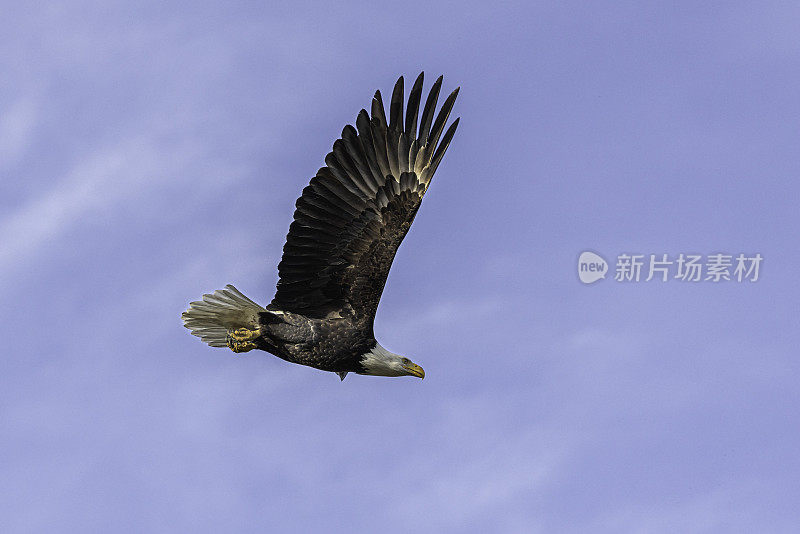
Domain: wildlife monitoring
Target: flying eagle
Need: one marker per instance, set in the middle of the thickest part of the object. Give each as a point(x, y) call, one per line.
point(347, 227)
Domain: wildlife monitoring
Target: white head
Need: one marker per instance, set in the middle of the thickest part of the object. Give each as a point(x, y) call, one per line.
point(381, 362)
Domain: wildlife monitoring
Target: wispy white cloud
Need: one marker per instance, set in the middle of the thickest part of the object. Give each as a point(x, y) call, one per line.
point(732, 508)
point(125, 173)
point(17, 126)
point(498, 478)
point(407, 323)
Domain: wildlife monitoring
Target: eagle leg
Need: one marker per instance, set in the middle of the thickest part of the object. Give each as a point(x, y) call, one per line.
point(242, 339)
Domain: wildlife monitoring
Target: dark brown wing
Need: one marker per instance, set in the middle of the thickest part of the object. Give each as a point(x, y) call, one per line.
point(356, 211)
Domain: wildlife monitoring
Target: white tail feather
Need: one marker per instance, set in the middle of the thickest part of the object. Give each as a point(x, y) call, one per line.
point(219, 312)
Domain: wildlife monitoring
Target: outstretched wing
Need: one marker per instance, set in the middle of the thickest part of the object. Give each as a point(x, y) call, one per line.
point(356, 211)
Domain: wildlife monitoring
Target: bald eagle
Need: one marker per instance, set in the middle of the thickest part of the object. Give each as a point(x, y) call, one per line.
point(348, 223)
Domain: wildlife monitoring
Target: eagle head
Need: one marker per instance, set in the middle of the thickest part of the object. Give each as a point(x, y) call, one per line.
point(381, 362)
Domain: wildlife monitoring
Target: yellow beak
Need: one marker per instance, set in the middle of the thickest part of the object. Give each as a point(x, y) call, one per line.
point(415, 370)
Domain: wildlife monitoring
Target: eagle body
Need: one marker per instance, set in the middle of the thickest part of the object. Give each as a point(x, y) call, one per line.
point(330, 344)
point(347, 227)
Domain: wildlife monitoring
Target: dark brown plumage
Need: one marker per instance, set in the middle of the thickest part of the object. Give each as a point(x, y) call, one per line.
point(348, 224)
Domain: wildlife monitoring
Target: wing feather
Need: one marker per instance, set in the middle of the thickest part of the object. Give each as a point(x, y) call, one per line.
point(441, 119)
point(379, 134)
point(396, 107)
point(427, 112)
point(413, 107)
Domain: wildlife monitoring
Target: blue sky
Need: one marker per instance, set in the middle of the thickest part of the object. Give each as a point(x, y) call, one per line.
point(152, 152)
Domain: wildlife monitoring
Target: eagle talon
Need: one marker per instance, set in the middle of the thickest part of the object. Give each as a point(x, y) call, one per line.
point(238, 347)
point(242, 339)
point(244, 334)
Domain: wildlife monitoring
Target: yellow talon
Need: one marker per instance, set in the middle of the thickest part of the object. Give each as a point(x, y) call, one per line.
point(241, 339)
point(237, 347)
point(245, 334)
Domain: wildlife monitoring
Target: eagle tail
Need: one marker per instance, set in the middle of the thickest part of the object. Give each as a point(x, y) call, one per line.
point(220, 312)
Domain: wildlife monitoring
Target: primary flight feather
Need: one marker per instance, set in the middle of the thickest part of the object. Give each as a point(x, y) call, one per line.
point(347, 227)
